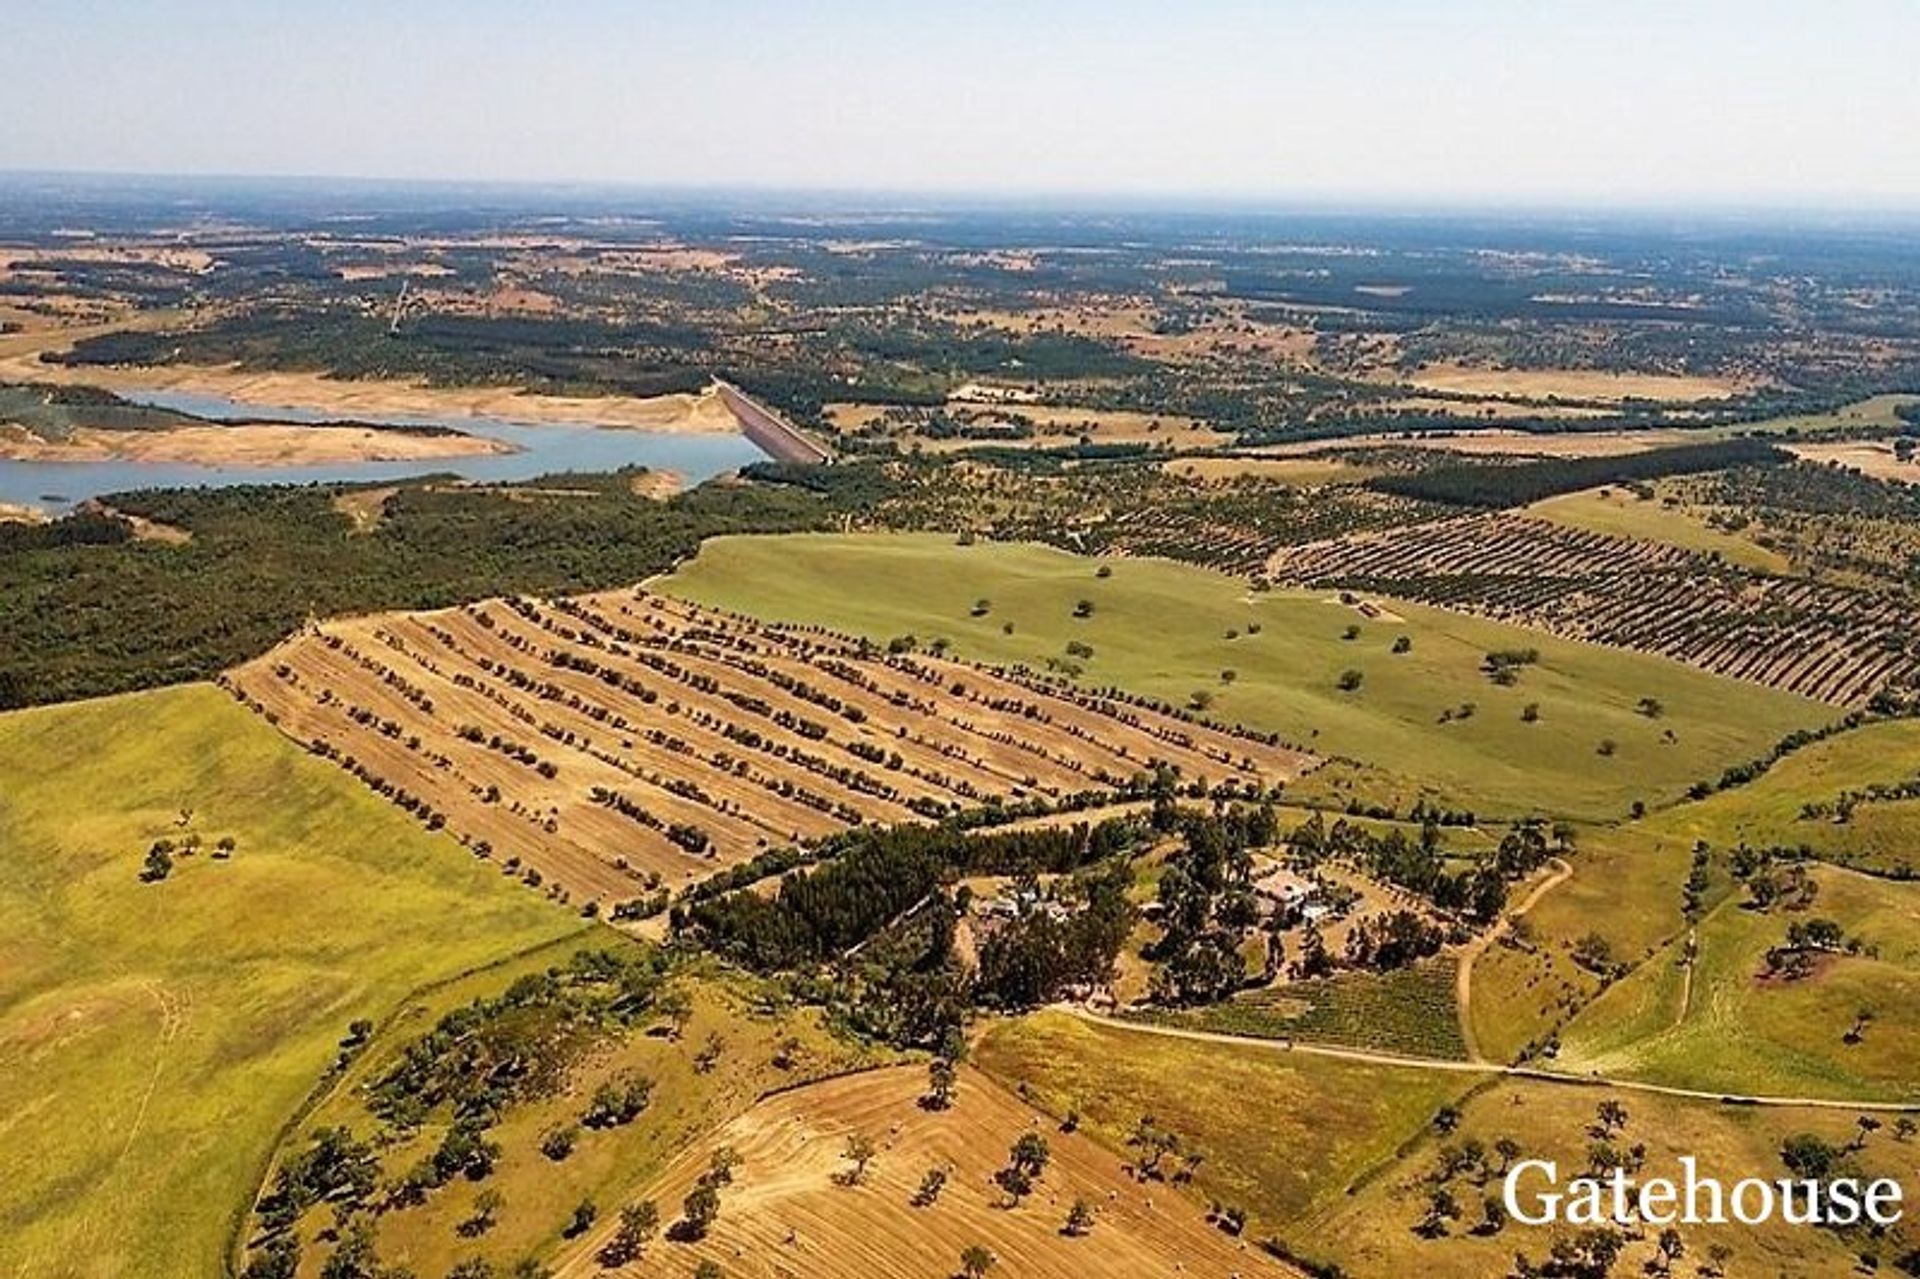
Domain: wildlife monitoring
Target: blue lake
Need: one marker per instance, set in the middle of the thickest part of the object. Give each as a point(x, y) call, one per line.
point(543, 449)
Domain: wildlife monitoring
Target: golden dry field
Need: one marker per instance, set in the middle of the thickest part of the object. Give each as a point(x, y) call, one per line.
point(791, 1209)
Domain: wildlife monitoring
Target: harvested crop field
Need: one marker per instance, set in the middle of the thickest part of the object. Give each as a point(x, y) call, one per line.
point(789, 1210)
point(605, 745)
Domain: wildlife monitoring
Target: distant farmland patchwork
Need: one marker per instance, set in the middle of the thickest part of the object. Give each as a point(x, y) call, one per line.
point(602, 745)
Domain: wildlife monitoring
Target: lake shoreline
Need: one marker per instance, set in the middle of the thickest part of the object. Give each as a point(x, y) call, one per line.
point(690, 413)
point(231, 445)
point(251, 444)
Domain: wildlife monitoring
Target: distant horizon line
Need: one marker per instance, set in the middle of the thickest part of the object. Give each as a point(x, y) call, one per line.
point(880, 198)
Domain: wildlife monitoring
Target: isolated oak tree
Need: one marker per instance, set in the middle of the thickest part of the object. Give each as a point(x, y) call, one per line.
point(699, 1210)
point(638, 1223)
point(940, 1084)
point(931, 1184)
point(859, 1152)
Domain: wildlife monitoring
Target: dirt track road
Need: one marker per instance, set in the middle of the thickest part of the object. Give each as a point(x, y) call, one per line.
point(1488, 1068)
point(1463, 972)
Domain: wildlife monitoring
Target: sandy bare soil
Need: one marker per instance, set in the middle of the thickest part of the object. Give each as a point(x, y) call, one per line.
point(789, 1210)
point(247, 444)
point(657, 486)
point(1574, 384)
point(144, 529)
point(9, 513)
point(364, 508)
point(1869, 457)
point(692, 414)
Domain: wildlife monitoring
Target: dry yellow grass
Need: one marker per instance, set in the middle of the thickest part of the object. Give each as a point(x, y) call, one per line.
point(1574, 384)
point(171, 256)
point(1054, 425)
point(391, 270)
point(1119, 317)
point(1869, 457)
point(1235, 336)
point(1305, 471)
point(1122, 426)
point(788, 1212)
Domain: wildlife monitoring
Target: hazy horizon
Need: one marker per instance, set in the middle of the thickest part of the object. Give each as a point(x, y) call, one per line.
point(1476, 104)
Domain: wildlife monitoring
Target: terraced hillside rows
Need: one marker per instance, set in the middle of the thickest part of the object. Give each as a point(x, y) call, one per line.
point(604, 745)
point(1813, 638)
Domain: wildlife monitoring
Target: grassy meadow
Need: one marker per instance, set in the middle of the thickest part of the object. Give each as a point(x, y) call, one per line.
point(156, 1036)
point(1173, 631)
point(1877, 835)
point(1617, 512)
point(1321, 1123)
point(1372, 1232)
point(1733, 1029)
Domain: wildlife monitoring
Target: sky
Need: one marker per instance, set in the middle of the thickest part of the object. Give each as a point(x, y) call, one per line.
point(1490, 102)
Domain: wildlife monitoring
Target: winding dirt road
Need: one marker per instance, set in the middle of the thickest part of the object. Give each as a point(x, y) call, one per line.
point(1448, 1066)
point(1463, 971)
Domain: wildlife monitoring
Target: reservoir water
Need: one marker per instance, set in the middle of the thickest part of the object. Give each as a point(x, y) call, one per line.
point(542, 450)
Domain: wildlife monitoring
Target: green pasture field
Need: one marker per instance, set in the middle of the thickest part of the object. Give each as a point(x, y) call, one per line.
point(1163, 629)
point(1410, 1011)
point(1733, 1029)
point(1628, 888)
point(156, 1036)
point(1877, 835)
point(1617, 512)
